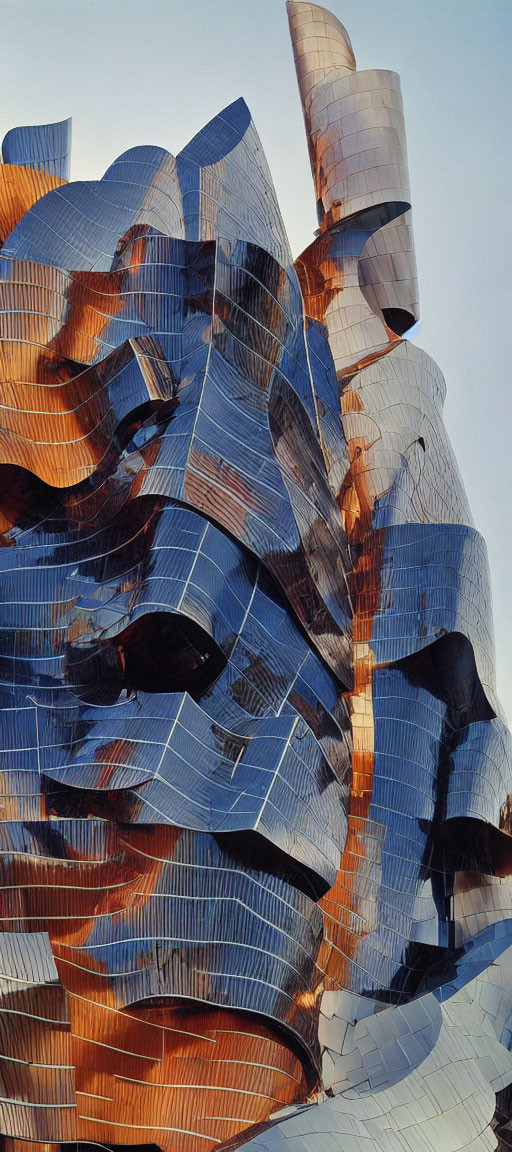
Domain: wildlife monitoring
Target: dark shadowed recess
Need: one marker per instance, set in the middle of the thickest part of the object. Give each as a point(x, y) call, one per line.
point(159, 652)
point(398, 319)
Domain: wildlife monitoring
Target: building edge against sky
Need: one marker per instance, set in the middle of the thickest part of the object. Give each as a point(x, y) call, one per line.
point(256, 778)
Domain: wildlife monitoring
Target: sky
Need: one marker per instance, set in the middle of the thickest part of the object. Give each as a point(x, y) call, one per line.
point(131, 73)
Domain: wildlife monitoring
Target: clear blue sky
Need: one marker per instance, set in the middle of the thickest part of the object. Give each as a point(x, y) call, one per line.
point(131, 73)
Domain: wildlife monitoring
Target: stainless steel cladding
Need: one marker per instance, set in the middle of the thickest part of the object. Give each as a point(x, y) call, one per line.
point(255, 782)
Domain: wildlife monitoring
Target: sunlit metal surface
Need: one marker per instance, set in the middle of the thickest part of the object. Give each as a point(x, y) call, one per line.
point(43, 147)
point(255, 783)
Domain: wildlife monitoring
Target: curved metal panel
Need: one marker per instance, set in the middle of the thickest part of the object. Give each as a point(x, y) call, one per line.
point(45, 147)
point(255, 783)
point(320, 43)
point(387, 274)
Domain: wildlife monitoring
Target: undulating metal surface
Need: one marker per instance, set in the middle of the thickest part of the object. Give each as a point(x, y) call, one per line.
point(255, 782)
point(44, 147)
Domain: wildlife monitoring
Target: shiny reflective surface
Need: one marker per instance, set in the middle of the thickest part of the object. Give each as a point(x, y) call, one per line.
point(255, 784)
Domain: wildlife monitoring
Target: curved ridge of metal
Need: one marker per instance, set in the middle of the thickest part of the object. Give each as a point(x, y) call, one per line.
point(255, 780)
point(45, 147)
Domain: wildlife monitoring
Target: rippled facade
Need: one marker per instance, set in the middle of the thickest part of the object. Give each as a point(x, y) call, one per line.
point(256, 785)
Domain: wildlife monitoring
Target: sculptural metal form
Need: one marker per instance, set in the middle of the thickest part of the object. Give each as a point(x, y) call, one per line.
point(255, 837)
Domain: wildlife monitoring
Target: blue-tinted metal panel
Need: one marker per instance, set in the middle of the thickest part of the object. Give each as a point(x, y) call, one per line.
point(46, 147)
point(255, 784)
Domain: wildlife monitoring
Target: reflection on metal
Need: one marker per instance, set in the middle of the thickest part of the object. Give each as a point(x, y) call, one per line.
point(255, 784)
point(42, 147)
